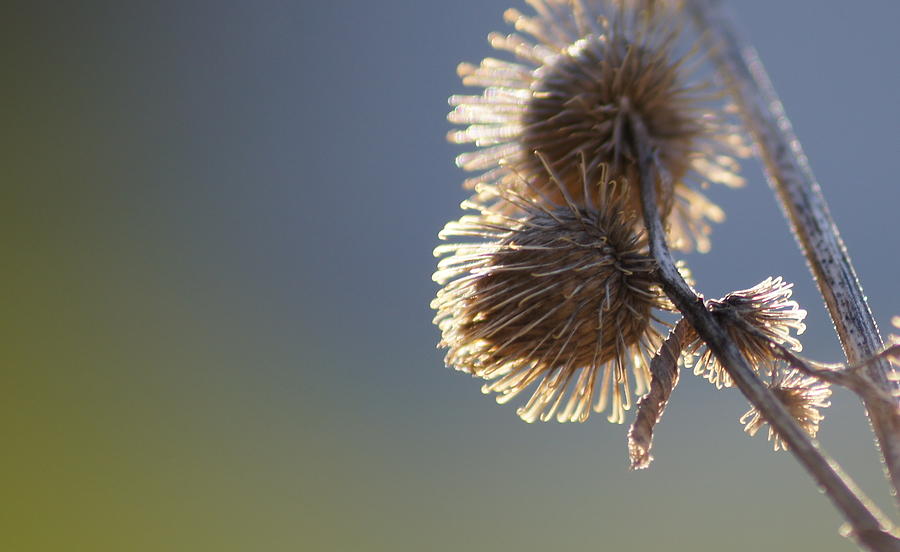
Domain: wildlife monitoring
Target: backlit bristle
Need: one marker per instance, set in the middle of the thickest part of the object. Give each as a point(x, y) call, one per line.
point(583, 71)
point(558, 296)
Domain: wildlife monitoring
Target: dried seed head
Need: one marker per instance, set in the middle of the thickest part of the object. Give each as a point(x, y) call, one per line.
point(753, 318)
point(559, 295)
point(802, 395)
point(578, 82)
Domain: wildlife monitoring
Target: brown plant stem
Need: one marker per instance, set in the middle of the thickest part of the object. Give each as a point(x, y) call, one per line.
point(867, 526)
point(801, 198)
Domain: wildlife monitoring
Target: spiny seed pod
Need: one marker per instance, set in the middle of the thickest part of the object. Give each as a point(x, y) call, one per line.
point(575, 90)
point(752, 318)
point(561, 296)
point(801, 395)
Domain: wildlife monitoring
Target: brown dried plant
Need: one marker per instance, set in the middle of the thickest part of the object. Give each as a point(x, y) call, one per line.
point(555, 286)
point(560, 294)
point(802, 395)
point(753, 318)
point(582, 70)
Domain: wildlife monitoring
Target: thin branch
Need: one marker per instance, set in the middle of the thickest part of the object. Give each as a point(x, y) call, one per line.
point(868, 527)
point(801, 198)
point(854, 378)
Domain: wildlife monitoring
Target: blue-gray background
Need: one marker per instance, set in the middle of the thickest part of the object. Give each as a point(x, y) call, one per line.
point(217, 223)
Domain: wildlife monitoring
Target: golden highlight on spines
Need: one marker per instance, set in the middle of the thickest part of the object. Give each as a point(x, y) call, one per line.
point(582, 71)
point(803, 396)
point(555, 296)
point(752, 318)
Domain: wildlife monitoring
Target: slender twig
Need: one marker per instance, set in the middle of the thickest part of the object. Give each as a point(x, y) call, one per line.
point(854, 378)
point(868, 527)
point(801, 198)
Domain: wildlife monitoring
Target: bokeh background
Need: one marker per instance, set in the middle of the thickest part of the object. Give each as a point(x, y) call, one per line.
point(217, 220)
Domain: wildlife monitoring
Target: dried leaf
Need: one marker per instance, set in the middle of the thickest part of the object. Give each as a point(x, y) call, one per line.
point(664, 372)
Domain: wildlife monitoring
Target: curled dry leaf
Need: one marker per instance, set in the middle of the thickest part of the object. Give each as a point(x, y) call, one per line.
point(664, 378)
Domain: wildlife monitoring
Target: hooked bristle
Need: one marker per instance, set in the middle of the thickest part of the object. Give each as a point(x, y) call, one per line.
point(752, 318)
point(561, 296)
point(801, 395)
point(584, 70)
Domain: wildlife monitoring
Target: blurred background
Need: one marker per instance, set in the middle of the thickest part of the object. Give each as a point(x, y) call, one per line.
point(217, 224)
